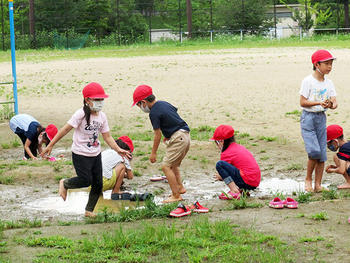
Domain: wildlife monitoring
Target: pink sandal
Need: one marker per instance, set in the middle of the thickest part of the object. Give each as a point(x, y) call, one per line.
point(290, 203)
point(276, 203)
point(230, 196)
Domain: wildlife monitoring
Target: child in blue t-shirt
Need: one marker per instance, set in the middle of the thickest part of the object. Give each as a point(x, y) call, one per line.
point(335, 141)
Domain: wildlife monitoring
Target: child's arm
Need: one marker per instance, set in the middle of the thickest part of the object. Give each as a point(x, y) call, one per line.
point(111, 142)
point(156, 142)
point(306, 103)
point(337, 169)
point(129, 174)
point(61, 133)
point(334, 103)
point(27, 149)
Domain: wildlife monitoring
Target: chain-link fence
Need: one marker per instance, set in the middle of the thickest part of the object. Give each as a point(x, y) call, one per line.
point(74, 24)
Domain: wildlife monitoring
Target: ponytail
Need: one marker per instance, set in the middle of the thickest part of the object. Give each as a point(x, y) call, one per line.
point(227, 143)
point(87, 112)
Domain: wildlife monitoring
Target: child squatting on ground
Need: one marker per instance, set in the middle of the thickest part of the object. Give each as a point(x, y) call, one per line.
point(115, 168)
point(335, 141)
point(32, 134)
point(88, 123)
point(165, 120)
point(317, 94)
point(237, 166)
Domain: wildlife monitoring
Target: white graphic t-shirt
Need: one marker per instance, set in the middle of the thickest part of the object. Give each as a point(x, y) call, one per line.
point(314, 90)
point(111, 159)
point(85, 137)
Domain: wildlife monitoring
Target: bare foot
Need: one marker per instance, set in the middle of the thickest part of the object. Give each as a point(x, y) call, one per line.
point(62, 190)
point(90, 214)
point(344, 186)
point(182, 190)
point(172, 199)
point(308, 186)
point(320, 189)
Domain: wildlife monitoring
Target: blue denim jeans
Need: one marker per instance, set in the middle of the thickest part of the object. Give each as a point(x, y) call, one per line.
point(229, 174)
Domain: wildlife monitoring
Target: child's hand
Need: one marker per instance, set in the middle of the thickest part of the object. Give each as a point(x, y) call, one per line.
point(330, 168)
point(46, 151)
point(153, 157)
point(125, 153)
point(217, 177)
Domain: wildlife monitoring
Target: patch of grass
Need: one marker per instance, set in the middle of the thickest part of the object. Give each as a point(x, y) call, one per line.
point(15, 143)
point(145, 158)
point(303, 197)
point(7, 179)
point(330, 195)
point(295, 167)
point(139, 153)
point(150, 210)
point(23, 223)
point(198, 241)
point(300, 215)
point(141, 136)
point(202, 133)
point(320, 216)
point(311, 239)
point(267, 139)
point(137, 173)
point(242, 203)
point(264, 158)
point(279, 194)
point(158, 191)
point(294, 114)
point(5, 146)
point(61, 176)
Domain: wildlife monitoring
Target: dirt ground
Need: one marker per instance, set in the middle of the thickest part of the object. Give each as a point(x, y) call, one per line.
point(250, 89)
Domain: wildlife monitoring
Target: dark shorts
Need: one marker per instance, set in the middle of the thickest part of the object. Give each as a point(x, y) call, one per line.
point(229, 174)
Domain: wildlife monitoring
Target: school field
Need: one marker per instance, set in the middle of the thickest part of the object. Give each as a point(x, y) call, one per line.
point(256, 90)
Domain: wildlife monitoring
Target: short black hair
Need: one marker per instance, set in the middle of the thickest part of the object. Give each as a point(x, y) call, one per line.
point(341, 137)
point(227, 143)
point(122, 145)
point(313, 66)
point(150, 98)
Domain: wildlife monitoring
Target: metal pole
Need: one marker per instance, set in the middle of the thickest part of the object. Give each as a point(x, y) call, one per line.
point(180, 30)
point(2, 25)
point(306, 22)
point(13, 56)
point(150, 24)
point(211, 21)
point(242, 20)
point(118, 22)
point(274, 15)
point(338, 16)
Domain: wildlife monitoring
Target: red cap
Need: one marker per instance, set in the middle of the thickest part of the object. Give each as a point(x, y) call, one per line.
point(94, 90)
point(51, 131)
point(128, 141)
point(223, 132)
point(321, 56)
point(141, 92)
point(333, 132)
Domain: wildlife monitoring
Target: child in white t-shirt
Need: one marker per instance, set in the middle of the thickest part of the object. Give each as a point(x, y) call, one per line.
point(88, 123)
point(317, 94)
point(115, 168)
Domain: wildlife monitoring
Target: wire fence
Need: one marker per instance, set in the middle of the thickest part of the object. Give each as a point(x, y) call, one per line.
point(62, 25)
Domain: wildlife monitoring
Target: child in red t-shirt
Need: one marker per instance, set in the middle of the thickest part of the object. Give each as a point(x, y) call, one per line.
point(237, 166)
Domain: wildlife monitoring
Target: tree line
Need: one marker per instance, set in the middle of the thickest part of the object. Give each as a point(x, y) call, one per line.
point(131, 20)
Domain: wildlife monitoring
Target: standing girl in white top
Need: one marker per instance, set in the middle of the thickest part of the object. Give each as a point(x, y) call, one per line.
point(317, 94)
point(88, 123)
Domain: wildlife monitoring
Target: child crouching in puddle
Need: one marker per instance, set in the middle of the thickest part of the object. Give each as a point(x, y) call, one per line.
point(237, 166)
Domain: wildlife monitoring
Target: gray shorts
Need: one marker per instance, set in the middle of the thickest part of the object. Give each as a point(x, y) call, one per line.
point(314, 132)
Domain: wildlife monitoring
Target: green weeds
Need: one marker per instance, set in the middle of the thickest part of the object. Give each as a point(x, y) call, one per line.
point(267, 139)
point(23, 223)
point(311, 239)
point(199, 241)
point(242, 203)
point(320, 216)
point(202, 133)
point(7, 179)
point(303, 197)
point(294, 167)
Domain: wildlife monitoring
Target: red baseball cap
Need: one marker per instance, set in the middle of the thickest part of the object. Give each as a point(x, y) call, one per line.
point(128, 141)
point(321, 56)
point(94, 90)
point(223, 132)
point(141, 92)
point(334, 132)
point(51, 131)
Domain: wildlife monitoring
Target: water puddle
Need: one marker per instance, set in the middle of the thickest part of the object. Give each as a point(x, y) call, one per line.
point(76, 201)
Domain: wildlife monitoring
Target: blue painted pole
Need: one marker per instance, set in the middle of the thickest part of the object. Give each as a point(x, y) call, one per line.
point(13, 56)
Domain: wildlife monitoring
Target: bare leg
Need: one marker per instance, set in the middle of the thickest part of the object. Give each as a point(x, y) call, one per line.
point(176, 171)
point(120, 172)
point(308, 180)
point(62, 190)
point(173, 185)
point(318, 176)
point(233, 187)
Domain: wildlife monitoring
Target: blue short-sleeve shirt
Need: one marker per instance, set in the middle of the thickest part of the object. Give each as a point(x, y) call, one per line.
point(164, 116)
point(344, 152)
